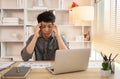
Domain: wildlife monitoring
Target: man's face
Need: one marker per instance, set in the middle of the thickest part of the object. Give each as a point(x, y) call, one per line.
point(46, 29)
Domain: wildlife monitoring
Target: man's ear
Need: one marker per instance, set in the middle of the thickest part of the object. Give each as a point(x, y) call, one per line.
point(40, 32)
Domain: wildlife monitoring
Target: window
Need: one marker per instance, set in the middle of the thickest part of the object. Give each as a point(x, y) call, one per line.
point(106, 32)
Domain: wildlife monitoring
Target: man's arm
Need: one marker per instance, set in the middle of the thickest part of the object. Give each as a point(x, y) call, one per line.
point(61, 43)
point(29, 49)
point(31, 46)
point(24, 53)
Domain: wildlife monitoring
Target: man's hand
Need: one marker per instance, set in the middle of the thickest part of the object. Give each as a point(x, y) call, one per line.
point(31, 45)
point(37, 30)
point(56, 31)
point(61, 44)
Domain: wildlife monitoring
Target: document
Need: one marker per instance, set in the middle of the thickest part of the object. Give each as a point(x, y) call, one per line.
point(94, 64)
point(4, 65)
point(35, 64)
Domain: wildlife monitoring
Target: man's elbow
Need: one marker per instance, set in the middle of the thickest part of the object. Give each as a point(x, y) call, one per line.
point(25, 59)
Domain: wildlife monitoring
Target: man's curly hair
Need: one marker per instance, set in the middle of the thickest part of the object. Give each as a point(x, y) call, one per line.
point(46, 16)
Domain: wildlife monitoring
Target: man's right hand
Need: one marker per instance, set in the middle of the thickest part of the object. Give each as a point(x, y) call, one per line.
point(37, 30)
point(31, 45)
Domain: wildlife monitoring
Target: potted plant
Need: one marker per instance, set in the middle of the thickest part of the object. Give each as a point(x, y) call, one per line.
point(105, 71)
point(107, 67)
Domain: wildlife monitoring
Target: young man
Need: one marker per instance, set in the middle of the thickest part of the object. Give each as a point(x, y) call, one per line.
point(46, 39)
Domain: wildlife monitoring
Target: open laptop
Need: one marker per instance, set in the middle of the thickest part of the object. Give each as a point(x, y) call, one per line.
point(70, 60)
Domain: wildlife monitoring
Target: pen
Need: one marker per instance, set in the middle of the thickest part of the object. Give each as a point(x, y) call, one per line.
point(101, 54)
point(17, 69)
point(110, 57)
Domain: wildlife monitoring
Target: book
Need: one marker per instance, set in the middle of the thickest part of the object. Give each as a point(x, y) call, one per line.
point(17, 73)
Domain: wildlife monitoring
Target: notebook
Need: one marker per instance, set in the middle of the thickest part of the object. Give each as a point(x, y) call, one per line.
point(70, 61)
point(17, 73)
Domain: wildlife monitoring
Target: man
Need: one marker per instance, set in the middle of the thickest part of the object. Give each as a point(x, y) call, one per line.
point(45, 40)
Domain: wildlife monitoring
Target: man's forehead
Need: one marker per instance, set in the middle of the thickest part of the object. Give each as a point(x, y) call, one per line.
point(46, 23)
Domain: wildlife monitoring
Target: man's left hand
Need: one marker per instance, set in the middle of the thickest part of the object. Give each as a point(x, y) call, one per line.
point(56, 31)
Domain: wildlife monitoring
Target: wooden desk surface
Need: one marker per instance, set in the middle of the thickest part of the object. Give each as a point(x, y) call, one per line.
point(42, 73)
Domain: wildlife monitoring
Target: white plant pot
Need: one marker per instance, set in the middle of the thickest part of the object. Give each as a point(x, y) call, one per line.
point(105, 73)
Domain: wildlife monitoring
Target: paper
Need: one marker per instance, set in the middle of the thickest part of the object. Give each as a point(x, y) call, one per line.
point(35, 64)
point(4, 65)
point(94, 64)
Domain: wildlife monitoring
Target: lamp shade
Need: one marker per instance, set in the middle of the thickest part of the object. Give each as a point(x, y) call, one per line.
point(82, 13)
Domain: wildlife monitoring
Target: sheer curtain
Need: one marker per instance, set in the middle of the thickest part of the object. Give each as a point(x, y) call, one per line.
point(106, 30)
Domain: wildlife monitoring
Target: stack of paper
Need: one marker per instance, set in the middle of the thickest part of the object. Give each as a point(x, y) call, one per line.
point(35, 64)
point(12, 21)
point(4, 65)
point(94, 64)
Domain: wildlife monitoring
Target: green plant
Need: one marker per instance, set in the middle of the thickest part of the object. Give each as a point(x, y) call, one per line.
point(106, 64)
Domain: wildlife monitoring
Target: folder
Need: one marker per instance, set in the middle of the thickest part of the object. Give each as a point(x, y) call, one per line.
point(17, 73)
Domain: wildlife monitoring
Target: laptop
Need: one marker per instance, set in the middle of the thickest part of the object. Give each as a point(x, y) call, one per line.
point(70, 60)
